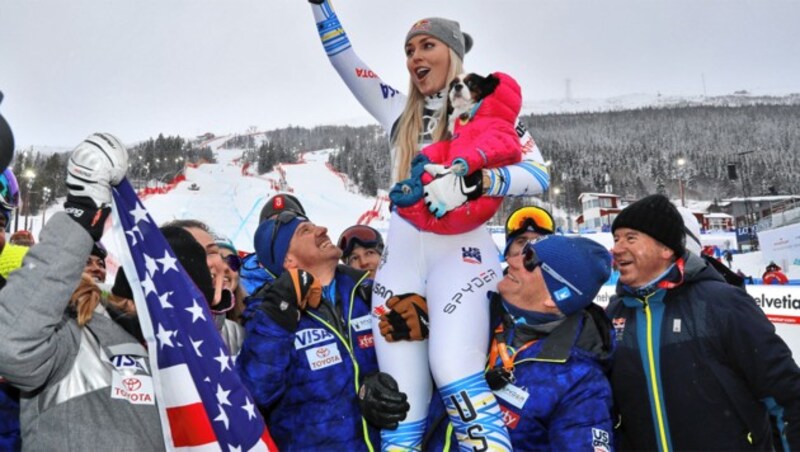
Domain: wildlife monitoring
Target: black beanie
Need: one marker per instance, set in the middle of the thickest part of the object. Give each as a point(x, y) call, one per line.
point(192, 257)
point(657, 217)
point(121, 287)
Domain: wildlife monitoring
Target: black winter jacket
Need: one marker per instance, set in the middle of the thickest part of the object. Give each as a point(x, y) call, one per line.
point(696, 364)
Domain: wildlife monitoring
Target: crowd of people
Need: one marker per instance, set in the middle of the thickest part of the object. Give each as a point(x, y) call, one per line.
point(421, 341)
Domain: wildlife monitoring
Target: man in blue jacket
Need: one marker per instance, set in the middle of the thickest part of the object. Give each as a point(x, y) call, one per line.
point(550, 349)
point(309, 348)
point(697, 361)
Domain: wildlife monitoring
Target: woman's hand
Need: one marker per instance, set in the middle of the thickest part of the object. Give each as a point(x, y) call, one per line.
point(448, 191)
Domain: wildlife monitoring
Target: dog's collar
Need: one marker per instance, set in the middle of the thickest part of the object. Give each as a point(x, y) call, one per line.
point(467, 116)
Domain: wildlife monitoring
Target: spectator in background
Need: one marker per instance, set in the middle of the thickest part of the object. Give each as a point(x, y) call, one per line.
point(696, 357)
point(222, 299)
point(22, 238)
point(230, 255)
point(221, 302)
point(96, 264)
point(525, 224)
point(728, 256)
point(252, 274)
point(774, 275)
point(362, 247)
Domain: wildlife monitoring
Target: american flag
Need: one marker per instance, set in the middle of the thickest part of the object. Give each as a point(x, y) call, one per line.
point(202, 402)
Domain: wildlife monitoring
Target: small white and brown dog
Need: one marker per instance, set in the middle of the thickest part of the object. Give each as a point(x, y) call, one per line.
point(466, 90)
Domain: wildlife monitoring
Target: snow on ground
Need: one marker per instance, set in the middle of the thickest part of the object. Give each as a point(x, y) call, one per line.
point(230, 203)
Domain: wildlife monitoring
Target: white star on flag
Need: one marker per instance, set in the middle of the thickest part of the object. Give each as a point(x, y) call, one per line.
point(148, 286)
point(168, 262)
point(132, 233)
point(196, 345)
point(164, 336)
point(164, 300)
point(222, 416)
point(223, 360)
point(151, 265)
point(250, 408)
point(222, 396)
point(139, 214)
point(197, 311)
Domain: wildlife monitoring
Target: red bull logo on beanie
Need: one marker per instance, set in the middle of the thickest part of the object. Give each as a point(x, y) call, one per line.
point(422, 25)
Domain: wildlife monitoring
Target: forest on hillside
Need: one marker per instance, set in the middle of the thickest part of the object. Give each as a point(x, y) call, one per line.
point(631, 153)
point(636, 152)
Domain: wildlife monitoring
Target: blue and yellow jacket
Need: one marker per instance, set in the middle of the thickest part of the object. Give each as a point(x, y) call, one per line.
point(306, 382)
point(561, 398)
point(697, 362)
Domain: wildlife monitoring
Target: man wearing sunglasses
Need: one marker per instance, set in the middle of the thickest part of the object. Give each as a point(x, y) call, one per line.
point(252, 274)
point(309, 346)
point(551, 349)
point(697, 361)
point(526, 224)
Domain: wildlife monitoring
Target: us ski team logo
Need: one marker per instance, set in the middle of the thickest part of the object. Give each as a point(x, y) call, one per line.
point(619, 327)
point(471, 255)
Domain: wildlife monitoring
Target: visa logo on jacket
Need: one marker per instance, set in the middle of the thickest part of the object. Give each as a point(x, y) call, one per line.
point(311, 336)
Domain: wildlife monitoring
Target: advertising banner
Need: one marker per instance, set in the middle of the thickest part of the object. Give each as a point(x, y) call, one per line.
point(781, 245)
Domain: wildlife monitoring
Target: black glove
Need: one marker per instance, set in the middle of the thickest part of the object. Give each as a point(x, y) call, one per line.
point(381, 402)
point(407, 320)
point(291, 293)
point(316, 2)
point(83, 210)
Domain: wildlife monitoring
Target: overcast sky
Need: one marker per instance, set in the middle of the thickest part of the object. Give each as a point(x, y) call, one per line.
point(139, 67)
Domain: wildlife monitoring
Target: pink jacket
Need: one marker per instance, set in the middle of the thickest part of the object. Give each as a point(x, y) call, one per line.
point(486, 140)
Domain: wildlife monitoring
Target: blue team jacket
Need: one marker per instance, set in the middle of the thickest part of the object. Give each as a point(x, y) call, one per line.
point(306, 382)
point(252, 275)
point(561, 399)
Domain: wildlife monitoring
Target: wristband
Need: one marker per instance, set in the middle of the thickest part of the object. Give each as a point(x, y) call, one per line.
point(460, 167)
point(497, 183)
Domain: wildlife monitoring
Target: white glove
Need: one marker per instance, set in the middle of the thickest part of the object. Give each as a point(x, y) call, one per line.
point(99, 162)
point(447, 192)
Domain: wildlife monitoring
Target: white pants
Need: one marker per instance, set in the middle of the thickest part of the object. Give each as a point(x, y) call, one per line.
point(454, 273)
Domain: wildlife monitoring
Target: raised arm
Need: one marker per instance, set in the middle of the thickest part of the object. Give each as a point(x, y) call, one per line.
point(382, 101)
